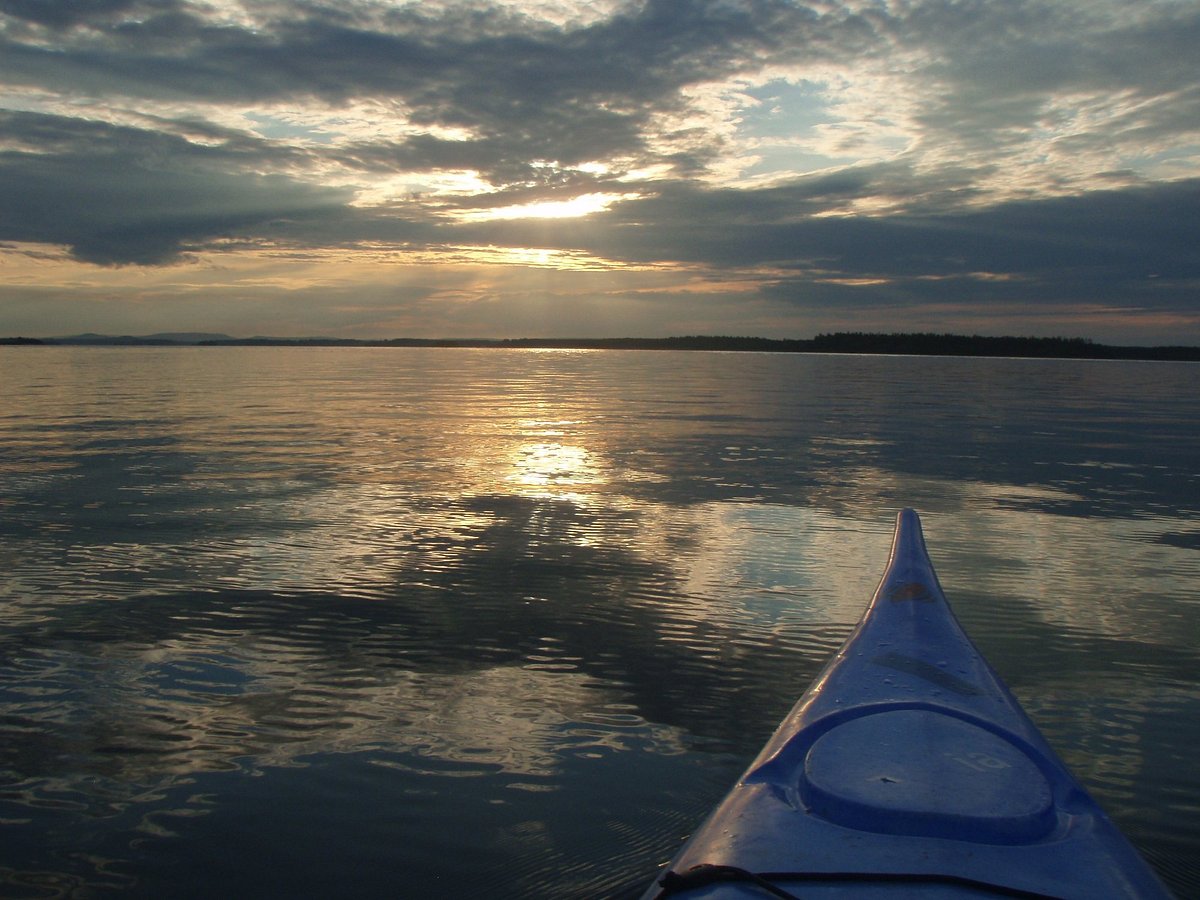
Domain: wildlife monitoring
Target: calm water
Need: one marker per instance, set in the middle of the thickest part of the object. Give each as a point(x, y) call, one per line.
point(455, 623)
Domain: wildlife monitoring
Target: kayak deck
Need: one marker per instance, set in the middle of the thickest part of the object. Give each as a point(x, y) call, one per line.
point(907, 769)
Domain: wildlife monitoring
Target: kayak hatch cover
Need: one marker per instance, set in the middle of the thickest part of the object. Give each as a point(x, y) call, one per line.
point(908, 769)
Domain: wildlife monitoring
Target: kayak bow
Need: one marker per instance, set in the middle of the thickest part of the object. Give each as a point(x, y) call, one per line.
point(908, 769)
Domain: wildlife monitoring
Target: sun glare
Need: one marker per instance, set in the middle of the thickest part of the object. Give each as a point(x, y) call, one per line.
point(583, 205)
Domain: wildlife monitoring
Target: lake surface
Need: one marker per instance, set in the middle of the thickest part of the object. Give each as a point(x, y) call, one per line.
point(358, 622)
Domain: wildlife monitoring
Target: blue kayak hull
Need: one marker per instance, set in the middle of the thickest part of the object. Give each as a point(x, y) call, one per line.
point(908, 769)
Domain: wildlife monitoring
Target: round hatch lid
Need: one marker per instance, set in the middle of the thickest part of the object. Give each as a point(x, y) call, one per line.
point(920, 772)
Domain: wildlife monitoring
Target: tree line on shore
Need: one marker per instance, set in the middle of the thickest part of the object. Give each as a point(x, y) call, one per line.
point(903, 343)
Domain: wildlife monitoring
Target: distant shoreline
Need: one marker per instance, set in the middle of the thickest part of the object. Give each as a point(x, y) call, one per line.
point(908, 344)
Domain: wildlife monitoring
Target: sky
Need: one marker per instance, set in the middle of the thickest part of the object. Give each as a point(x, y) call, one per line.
point(553, 168)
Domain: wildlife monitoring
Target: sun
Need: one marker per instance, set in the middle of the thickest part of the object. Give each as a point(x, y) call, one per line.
point(583, 205)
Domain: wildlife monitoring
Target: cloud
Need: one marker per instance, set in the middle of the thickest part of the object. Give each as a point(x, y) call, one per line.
point(832, 152)
point(121, 195)
point(66, 13)
point(1142, 244)
point(1053, 93)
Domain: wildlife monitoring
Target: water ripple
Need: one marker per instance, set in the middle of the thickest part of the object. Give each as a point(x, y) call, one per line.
point(310, 612)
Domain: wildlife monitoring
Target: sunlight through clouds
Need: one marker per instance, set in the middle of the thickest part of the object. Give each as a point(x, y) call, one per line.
point(895, 148)
point(582, 205)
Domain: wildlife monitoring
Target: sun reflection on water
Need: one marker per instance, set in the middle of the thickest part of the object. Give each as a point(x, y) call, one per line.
point(552, 465)
point(514, 564)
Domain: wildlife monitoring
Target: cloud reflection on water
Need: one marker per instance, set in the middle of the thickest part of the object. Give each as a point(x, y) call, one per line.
point(484, 564)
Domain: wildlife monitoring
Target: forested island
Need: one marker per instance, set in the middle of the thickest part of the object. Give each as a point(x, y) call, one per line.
point(916, 344)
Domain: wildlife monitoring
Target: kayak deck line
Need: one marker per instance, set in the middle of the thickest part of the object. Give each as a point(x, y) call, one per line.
point(908, 769)
point(703, 875)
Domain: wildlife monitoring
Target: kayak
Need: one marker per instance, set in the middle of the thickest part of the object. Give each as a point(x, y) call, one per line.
point(908, 769)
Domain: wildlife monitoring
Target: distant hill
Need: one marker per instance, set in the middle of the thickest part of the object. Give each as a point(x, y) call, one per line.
point(168, 338)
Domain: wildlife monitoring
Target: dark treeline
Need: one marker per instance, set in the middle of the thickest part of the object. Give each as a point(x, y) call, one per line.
point(932, 344)
point(918, 344)
point(929, 344)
